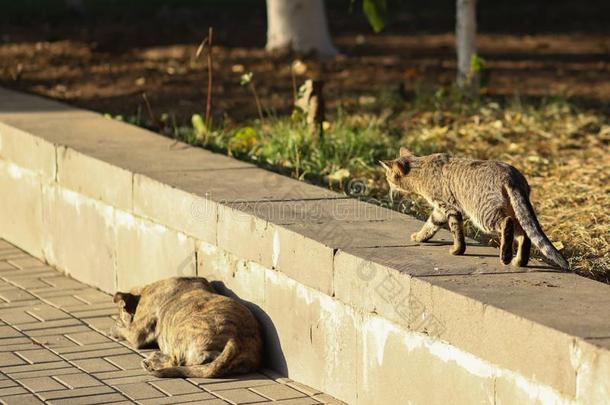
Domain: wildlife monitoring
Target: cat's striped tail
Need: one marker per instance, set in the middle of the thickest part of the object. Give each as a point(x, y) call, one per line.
point(218, 367)
point(527, 219)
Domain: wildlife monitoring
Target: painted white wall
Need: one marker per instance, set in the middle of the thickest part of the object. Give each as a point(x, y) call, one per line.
point(299, 25)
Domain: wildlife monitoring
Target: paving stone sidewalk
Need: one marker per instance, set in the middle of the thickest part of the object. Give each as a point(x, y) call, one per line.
point(54, 349)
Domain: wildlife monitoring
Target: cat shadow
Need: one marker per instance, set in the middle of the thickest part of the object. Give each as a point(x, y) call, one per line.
point(443, 243)
point(479, 255)
point(449, 243)
point(546, 268)
point(536, 266)
point(273, 356)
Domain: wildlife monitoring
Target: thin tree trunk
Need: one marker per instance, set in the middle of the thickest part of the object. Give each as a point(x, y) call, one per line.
point(465, 35)
point(299, 25)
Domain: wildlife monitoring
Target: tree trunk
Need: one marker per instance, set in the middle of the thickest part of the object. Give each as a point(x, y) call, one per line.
point(465, 36)
point(299, 25)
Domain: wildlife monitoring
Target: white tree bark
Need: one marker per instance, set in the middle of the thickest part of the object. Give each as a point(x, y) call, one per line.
point(299, 25)
point(465, 36)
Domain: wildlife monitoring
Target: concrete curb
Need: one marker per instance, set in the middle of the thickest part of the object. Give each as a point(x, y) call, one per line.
point(386, 321)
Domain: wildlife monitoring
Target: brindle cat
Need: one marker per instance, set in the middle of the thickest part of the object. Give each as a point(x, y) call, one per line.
point(494, 195)
point(199, 333)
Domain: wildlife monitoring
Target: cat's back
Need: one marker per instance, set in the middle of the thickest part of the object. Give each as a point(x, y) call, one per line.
point(202, 311)
point(478, 188)
point(476, 174)
point(159, 292)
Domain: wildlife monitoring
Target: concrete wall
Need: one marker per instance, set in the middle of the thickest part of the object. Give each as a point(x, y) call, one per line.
point(349, 305)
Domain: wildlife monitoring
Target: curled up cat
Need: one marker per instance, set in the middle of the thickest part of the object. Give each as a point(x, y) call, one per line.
point(199, 333)
point(494, 195)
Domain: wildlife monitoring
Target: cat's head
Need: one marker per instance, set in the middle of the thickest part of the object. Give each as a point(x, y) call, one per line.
point(397, 169)
point(127, 304)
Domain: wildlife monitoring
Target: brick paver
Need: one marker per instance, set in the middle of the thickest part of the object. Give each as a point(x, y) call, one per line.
point(54, 349)
point(278, 392)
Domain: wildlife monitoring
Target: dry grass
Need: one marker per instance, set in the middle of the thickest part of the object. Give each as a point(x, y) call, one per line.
point(565, 155)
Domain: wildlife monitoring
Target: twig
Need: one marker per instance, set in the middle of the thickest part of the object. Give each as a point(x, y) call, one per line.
point(151, 115)
point(258, 102)
point(208, 107)
point(294, 85)
point(201, 47)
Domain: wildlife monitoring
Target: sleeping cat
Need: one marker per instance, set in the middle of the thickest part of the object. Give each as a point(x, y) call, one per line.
point(494, 195)
point(199, 333)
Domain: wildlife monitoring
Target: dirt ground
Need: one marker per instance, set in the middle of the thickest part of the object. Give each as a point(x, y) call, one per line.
point(104, 59)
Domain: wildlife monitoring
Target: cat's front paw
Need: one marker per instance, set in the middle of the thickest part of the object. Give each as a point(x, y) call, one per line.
point(115, 331)
point(124, 318)
point(415, 237)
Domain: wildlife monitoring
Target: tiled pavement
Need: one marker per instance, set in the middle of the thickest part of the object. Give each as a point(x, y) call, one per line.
point(53, 349)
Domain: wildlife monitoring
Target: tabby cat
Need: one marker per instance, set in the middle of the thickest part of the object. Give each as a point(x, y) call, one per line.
point(494, 195)
point(199, 333)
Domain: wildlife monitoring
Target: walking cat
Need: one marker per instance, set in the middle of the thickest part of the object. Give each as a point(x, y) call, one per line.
point(199, 333)
point(494, 195)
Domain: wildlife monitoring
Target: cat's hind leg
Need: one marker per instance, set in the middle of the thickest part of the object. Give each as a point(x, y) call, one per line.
point(456, 226)
point(524, 245)
point(207, 356)
point(432, 225)
point(506, 239)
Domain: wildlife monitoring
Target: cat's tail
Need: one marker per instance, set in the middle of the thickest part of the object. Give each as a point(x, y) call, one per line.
point(527, 219)
point(218, 367)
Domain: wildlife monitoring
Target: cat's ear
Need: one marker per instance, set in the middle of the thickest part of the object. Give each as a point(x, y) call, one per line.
point(118, 297)
point(127, 301)
point(397, 166)
point(404, 152)
point(400, 167)
point(386, 164)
